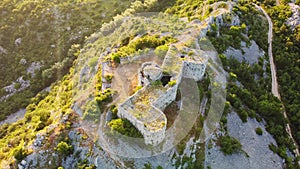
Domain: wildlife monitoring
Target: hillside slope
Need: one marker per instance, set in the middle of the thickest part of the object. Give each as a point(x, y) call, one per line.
point(71, 125)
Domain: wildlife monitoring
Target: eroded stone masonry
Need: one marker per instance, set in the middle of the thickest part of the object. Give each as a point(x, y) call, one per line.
point(144, 109)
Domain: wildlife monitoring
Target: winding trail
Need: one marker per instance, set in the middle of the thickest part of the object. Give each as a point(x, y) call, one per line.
point(274, 76)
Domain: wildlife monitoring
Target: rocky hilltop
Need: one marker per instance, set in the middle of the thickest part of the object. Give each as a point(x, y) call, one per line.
point(188, 86)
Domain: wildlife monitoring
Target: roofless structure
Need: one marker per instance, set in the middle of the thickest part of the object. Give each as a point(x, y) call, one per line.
point(144, 109)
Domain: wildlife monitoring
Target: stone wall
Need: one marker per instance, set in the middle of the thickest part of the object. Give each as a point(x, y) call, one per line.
point(151, 137)
point(164, 100)
point(193, 70)
point(145, 78)
point(188, 70)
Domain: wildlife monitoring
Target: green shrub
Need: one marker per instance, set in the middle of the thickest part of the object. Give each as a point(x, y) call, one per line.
point(161, 51)
point(108, 77)
point(142, 43)
point(64, 148)
point(137, 89)
point(180, 147)
point(224, 119)
point(147, 166)
point(17, 86)
point(123, 126)
point(172, 83)
point(114, 110)
point(243, 115)
point(116, 58)
point(259, 131)
point(104, 97)
point(19, 152)
point(190, 53)
point(229, 145)
point(156, 83)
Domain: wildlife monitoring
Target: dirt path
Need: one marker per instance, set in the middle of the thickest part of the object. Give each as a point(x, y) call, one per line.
point(274, 76)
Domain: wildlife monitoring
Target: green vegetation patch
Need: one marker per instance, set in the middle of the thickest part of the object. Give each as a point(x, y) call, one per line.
point(259, 131)
point(229, 145)
point(49, 33)
point(124, 127)
point(147, 41)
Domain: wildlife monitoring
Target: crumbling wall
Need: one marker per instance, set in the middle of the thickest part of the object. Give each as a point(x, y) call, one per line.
point(151, 137)
point(164, 100)
point(193, 70)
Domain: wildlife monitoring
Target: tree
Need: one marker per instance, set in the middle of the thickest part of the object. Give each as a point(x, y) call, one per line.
point(123, 126)
point(147, 166)
point(117, 125)
point(229, 145)
point(259, 131)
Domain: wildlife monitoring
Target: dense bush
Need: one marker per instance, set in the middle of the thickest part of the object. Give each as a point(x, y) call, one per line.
point(123, 126)
point(161, 50)
point(64, 148)
point(104, 97)
point(229, 145)
point(38, 116)
point(257, 27)
point(259, 131)
point(229, 36)
point(108, 77)
point(147, 41)
point(19, 152)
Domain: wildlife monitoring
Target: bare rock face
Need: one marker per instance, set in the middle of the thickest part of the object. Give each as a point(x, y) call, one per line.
point(249, 54)
point(2, 50)
point(23, 61)
point(19, 85)
point(23, 162)
point(34, 66)
point(22, 165)
point(294, 20)
point(39, 140)
point(255, 148)
point(18, 41)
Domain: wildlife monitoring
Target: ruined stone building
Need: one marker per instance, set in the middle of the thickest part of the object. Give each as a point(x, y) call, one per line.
point(144, 109)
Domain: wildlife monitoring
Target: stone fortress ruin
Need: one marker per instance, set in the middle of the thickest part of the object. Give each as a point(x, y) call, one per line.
point(144, 109)
point(186, 58)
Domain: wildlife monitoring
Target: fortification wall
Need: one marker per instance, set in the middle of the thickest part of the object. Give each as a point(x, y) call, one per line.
point(156, 137)
point(188, 70)
point(151, 137)
point(193, 70)
point(123, 113)
point(164, 100)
